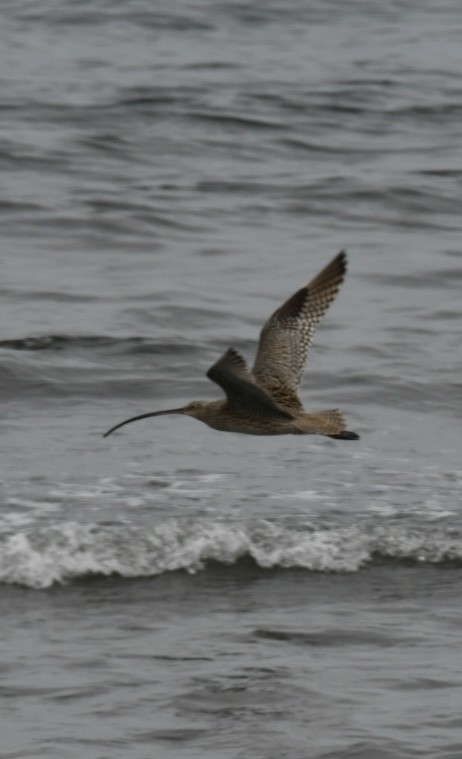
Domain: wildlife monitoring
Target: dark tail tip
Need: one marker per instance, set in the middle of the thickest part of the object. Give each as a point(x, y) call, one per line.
point(346, 435)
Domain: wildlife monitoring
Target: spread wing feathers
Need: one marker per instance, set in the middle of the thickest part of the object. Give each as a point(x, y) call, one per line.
point(287, 335)
point(244, 396)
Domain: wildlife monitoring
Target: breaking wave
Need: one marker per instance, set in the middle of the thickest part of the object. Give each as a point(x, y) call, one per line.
point(69, 551)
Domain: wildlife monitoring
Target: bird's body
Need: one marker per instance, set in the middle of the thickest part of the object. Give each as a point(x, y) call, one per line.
point(216, 414)
point(265, 401)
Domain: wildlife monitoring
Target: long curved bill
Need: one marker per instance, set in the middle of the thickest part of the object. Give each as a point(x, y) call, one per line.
point(143, 416)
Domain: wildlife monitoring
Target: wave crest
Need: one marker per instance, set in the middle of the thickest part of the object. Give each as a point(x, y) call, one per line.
point(69, 551)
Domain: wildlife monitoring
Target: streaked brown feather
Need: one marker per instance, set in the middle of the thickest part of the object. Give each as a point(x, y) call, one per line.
point(330, 422)
point(287, 335)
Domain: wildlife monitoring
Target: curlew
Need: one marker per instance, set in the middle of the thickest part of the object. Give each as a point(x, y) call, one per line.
point(265, 400)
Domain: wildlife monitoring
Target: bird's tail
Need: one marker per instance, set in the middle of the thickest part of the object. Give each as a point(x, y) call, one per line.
point(330, 423)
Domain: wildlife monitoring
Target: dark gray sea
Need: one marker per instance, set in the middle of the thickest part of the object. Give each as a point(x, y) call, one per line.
point(171, 172)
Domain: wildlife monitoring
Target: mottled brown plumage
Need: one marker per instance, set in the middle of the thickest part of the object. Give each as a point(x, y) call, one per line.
point(287, 335)
point(265, 401)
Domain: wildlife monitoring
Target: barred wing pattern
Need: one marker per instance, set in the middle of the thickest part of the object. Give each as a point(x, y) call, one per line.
point(287, 335)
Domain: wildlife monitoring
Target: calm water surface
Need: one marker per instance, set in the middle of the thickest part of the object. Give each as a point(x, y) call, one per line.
point(171, 174)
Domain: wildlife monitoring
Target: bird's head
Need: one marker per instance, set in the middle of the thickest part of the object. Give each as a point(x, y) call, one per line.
point(196, 409)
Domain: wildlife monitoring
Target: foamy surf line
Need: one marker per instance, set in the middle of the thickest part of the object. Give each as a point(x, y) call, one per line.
point(70, 551)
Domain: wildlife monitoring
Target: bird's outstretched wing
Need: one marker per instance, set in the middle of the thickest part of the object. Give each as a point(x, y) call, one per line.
point(244, 396)
point(287, 335)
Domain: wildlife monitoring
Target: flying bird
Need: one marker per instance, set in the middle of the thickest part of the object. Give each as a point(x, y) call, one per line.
point(265, 400)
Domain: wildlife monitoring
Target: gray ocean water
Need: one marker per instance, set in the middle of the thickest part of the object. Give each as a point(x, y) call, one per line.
point(171, 171)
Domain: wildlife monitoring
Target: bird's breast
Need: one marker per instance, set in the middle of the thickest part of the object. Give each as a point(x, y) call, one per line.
point(249, 426)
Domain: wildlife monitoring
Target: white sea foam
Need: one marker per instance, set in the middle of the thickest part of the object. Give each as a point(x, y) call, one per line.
point(39, 558)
